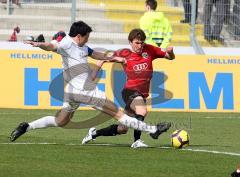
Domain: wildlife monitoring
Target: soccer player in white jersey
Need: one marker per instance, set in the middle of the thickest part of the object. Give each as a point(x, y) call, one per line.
point(79, 86)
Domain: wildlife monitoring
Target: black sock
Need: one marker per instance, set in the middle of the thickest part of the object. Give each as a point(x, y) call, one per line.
point(137, 133)
point(108, 131)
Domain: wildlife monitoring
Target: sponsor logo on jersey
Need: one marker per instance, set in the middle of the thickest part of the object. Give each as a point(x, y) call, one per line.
point(140, 67)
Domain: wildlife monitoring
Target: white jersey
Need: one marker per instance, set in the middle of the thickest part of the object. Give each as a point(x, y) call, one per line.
point(79, 87)
point(74, 60)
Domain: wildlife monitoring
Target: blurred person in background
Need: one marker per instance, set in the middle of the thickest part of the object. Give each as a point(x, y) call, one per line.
point(13, 37)
point(29, 38)
point(17, 2)
point(59, 36)
point(213, 31)
point(156, 26)
point(188, 11)
point(40, 38)
point(236, 19)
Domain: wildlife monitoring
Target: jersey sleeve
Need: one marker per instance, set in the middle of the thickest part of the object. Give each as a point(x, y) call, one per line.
point(59, 48)
point(125, 53)
point(62, 46)
point(90, 51)
point(117, 53)
point(157, 52)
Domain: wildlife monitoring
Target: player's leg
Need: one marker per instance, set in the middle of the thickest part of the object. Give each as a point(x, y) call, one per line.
point(60, 119)
point(131, 122)
point(138, 105)
point(98, 99)
point(126, 121)
point(135, 106)
point(111, 130)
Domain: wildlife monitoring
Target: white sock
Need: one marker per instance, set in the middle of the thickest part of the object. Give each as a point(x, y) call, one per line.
point(47, 121)
point(132, 122)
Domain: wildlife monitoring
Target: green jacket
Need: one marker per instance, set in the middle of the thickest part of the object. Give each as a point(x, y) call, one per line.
point(156, 25)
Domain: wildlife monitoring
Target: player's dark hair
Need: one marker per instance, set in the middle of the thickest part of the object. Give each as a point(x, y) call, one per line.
point(79, 28)
point(152, 4)
point(138, 34)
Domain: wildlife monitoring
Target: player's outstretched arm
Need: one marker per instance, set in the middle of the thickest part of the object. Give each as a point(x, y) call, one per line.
point(100, 55)
point(96, 68)
point(170, 53)
point(43, 45)
point(100, 63)
point(107, 56)
point(118, 59)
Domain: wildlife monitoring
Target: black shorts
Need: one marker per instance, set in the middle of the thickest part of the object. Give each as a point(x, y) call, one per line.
point(128, 96)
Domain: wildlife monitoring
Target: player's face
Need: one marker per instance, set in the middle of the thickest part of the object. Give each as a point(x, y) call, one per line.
point(137, 45)
point(82, 39)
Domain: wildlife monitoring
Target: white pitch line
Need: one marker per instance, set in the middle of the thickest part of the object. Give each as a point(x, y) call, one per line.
point(186, 149)
point(221, 117)
point(213, 152)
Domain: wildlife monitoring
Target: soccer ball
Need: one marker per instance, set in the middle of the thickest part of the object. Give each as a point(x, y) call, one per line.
point(180, 139)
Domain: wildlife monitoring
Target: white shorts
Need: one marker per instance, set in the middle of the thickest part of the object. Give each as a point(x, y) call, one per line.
point(74, 97)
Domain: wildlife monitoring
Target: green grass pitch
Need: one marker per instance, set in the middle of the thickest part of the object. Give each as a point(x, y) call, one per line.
point(213, 152)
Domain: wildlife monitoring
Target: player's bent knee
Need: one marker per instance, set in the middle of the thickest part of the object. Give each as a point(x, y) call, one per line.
point(62, 118)
point(62, 122)
point(142, 112)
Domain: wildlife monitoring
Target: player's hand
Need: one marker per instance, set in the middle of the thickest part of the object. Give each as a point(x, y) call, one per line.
point(32, 43)
point(170, 52)
point(100, 62)
point(109, 54)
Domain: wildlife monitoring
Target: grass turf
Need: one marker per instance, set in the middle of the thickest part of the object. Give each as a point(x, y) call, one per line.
point(67, 157)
